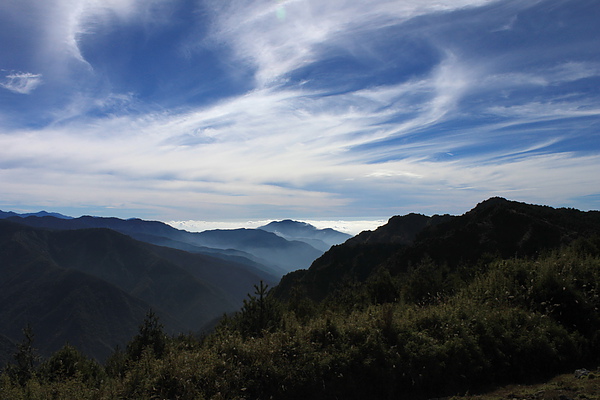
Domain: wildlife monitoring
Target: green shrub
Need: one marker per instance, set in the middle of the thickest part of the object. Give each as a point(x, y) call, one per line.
point(68, 363)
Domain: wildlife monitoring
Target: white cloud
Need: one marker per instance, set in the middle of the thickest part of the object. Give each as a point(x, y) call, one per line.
point(556, 75)
point(544, 111)
point(275, 47)
point(60, 24)
point(21, 82)
point(291, 150)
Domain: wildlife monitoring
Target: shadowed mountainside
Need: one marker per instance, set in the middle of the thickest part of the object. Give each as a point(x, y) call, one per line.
point(494, 228)
point(92, 287)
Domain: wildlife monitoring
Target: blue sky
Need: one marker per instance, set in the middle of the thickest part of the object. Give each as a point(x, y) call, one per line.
point(254, 110)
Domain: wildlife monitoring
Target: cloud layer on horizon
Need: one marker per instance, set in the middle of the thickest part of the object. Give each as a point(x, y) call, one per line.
point(298, 108)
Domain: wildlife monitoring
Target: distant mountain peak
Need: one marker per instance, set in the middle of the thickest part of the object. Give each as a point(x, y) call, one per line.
point(291, 222)
point(321, 239)
point(44, 213)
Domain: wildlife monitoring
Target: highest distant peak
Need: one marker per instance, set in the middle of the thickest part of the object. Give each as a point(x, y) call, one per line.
point(294, 228)
point(289, 224)
point(321, 239)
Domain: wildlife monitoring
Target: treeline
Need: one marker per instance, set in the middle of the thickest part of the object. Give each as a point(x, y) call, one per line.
point(430, 331)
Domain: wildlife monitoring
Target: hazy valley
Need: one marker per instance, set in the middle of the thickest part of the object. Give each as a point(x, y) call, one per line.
point(72, 278)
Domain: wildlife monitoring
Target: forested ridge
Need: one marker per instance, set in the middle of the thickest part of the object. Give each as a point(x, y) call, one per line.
point(411, 322)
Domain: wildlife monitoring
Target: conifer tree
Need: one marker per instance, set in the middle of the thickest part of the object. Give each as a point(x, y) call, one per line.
point(259, 313)
point(26, 358)
point(150, 336)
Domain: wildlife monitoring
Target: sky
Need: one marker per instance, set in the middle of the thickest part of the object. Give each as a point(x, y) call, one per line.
point(338, 110)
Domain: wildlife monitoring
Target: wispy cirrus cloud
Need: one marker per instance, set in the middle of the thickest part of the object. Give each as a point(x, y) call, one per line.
point(52, 38)
point(277, 46)
point(65, 22)
point(261, 149)
point(21, 82)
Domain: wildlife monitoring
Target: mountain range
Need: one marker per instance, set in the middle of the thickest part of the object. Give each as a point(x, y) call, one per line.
point(89, 281)
point(275, 254)
point(7, 214)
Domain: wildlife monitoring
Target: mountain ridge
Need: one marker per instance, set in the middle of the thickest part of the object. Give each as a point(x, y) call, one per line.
point(55, 301)
point(261, 248)
point(496, 226)
point(6, 214)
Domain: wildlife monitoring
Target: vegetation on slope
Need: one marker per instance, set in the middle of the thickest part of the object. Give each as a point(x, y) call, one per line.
point(416, 334)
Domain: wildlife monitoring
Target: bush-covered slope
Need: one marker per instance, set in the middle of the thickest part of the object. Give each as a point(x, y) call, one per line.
point(494, 228)
point(517, 321)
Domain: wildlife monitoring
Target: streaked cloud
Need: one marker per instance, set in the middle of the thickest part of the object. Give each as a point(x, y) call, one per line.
point(21, 82)
point(275, 47)
point(64, 23)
